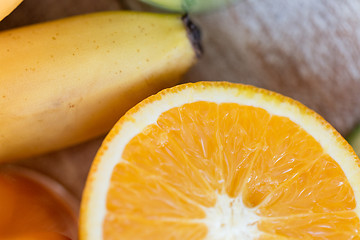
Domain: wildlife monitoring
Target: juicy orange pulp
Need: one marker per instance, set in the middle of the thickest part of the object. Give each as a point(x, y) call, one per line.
point(28, 210)
point(175, 170)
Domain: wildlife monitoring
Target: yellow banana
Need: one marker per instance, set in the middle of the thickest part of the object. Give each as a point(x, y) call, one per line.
point(69, 80)
point(189, 5)
point(7, 6)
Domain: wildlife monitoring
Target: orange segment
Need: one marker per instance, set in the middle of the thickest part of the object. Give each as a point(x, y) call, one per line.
point(191, 128)
point(334, 226)
point(286, 151)
point(161, 200)
point(155, 146)
point(241, 131)
point(271, 237)
point(218, 161)
point(144, 229)
point(319, 189)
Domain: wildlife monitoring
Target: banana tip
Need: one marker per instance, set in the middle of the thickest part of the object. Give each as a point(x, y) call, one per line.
point(194, 34)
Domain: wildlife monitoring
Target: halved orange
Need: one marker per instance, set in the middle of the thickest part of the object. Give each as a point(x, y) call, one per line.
point(215, 160)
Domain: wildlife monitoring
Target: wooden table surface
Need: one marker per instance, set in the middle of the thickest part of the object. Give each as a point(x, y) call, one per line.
point(305, 49)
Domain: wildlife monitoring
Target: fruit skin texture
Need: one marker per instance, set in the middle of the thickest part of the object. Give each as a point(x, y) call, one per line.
point(7, 6)
point(67, 81)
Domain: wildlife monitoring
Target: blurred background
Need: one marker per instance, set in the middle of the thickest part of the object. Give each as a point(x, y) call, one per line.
point(308, 50)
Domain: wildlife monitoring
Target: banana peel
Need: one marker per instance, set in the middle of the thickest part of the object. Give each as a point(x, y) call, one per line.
point(67, 81)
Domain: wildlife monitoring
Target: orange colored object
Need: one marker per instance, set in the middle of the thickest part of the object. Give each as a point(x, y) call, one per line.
point(222, 161)
point(7, 6)
point(34, 207)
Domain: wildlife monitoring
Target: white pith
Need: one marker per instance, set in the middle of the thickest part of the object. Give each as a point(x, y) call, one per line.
point(96, 206)
point(229, 219)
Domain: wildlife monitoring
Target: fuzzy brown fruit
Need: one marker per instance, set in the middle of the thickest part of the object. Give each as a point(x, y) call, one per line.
point(308, 50)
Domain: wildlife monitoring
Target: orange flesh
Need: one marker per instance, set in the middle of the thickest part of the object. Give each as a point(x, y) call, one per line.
point(30, 211)
point(175, 169)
